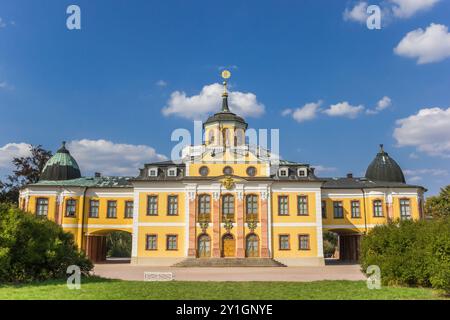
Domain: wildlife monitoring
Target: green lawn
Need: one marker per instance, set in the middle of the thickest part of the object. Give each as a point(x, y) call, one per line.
point(178, 290)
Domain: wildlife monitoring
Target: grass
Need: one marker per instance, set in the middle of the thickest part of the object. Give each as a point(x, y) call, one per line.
point(103, 289)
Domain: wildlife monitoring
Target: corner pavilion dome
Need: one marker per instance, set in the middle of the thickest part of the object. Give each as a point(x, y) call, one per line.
point(62, 166)
point(384, 168)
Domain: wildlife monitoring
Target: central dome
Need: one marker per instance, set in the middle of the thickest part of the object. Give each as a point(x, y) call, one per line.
point(62, 166)
point(384, 168)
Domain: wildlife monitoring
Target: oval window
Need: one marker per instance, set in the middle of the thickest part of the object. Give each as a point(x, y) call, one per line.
point(227, 171)
point(251, 171)
point(203, 171)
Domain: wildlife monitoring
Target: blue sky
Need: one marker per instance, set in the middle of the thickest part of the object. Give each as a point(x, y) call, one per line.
point(103, 88)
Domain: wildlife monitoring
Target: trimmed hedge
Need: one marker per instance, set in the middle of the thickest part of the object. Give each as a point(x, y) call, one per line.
point(412, 253)
point(35, 249)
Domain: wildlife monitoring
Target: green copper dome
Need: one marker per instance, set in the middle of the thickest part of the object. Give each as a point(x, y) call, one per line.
point(62, 166)
point(384, 168)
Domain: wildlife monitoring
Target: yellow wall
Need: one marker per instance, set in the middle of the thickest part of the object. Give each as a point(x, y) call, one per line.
point(293, 233)
point(161, 232)
point(162, 207)
point(292, 207)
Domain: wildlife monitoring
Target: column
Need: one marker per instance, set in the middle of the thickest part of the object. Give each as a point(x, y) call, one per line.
point(264, 226)
point(216, 225)
point(240, 249)
point(192, 247)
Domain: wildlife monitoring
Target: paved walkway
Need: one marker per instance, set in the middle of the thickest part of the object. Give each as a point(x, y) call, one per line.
point(329, 272)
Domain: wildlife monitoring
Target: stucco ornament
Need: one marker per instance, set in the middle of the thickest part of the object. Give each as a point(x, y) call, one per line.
point(228, 183)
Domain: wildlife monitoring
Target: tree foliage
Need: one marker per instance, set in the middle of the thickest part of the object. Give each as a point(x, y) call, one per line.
point(33, 248)
point(439, 206)
point(26, 170)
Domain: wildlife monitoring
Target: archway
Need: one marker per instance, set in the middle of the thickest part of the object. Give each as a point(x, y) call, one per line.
point(204, 246)
point(252, 246)
point(228, 246)
point(348, 245)
point(112, 246)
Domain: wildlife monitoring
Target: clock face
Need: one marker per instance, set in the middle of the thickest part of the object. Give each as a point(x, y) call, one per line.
point(226, 74)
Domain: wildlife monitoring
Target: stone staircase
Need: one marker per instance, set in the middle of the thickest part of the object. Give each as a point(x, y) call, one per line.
point(228, 262)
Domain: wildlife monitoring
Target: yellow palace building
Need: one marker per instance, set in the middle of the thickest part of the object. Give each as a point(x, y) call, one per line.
point(225, 203)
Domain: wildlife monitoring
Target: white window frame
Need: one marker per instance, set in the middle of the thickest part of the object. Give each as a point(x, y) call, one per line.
point(153, 170)
point(172, 172)
point(284, 169)
point(304, 170)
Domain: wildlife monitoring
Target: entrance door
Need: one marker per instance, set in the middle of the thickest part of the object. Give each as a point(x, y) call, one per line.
point(349, 246)
point(252, 246)
point(204, 246)
point(229, 246)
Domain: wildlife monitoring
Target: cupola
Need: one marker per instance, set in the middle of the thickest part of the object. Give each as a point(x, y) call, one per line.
point(384, 168)
point(62, 166)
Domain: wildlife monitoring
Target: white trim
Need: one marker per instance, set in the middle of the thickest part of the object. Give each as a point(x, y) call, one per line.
point(135, 236)
point(101, 226)
point(162, 224)
point(349, 226)
point(269, 220)
point(319, 232)
point(294, 224)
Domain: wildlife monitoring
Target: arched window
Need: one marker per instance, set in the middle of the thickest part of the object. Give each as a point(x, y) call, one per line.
point(228, 207)
point(226, 137)
point(211, 136)
point(252, 246)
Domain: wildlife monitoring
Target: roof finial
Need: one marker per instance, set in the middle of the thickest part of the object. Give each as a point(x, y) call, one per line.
point(225, 75)
point(381, 148)
point(64, 144)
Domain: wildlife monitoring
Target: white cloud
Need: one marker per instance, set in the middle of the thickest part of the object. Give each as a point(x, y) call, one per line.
point(358, 13)
point(10, 151)
point(209, 101)
point(382, 104)
point(428, 131)
point(161, 83)
point(2, 23)
point(408, 8)
point(390, 9)
point(305, 113)
point(415, 175)
point(323, 169)
point(344, 109)
point(111, 158)
point(286, 112)
point(431, 45)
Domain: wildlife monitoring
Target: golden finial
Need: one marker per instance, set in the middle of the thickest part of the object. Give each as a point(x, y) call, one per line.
point(225, 75)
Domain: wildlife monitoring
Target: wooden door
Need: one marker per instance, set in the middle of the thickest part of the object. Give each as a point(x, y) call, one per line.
point(229, 246)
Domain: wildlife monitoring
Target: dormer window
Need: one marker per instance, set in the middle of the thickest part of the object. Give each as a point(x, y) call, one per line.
point(302, 172)
point(172, 172)
point(283, 172)
point(153, 172)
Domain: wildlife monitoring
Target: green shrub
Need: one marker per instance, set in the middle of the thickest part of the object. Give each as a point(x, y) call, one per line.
point(413, 253)
point(34, 248)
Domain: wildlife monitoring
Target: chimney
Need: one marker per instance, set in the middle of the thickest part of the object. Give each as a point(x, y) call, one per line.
point(97, 174)
point(350, 175)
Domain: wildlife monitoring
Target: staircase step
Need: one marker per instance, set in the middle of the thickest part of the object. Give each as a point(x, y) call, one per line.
point(229, 262)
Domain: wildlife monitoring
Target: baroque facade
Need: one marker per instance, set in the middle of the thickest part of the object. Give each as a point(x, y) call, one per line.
point(225, 199)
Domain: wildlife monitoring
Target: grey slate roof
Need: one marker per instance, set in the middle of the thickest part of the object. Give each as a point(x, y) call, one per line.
point(358, 183)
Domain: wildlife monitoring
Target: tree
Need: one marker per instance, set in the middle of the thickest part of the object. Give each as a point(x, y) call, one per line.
point(34, 248)
point(439, 206)
point(27, 170)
